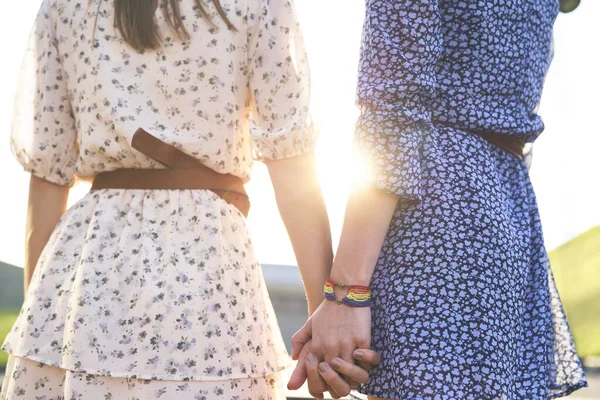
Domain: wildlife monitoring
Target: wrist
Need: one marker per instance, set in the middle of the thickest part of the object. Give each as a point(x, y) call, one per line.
point(350, 277)
point(352, 269)
point(352, 296)
point(313, 304)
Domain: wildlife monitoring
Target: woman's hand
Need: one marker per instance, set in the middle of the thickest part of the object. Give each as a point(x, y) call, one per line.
point(339, 373)
point(336, 375)
point(336, 332)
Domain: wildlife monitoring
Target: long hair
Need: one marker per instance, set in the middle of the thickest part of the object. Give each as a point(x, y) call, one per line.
point(136, 21)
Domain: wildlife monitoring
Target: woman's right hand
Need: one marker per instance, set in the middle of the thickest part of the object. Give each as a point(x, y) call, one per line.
point(339, 373)
point(335, 376)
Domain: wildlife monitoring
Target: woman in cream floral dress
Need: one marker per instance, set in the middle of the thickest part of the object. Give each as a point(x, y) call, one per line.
point(142, 294)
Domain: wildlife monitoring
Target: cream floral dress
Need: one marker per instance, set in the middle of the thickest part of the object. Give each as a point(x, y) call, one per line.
point(153, 294)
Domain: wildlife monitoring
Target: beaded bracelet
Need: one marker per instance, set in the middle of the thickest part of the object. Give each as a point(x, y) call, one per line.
point(358, 296)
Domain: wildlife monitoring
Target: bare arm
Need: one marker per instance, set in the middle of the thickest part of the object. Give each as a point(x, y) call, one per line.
point(335, 331)
point(368, 215)
point(303, 211)
point(47, 203)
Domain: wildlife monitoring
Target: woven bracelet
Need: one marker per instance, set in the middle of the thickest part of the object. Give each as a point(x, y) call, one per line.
point(358, 296)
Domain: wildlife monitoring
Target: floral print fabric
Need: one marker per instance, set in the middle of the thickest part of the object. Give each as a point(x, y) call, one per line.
point(156, 285)
point(31, 380)
point(475, 66)
point(465, 304)
point(223, 97)
point(150, 285)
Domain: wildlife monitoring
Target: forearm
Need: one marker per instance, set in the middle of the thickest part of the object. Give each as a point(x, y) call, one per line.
point(303, 211)
point(47, 203)
point(367, 219)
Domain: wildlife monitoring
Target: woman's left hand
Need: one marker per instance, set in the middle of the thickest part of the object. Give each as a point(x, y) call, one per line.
point(337, 330)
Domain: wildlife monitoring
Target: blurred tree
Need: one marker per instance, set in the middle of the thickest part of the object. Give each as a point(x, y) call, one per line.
point(576, 267)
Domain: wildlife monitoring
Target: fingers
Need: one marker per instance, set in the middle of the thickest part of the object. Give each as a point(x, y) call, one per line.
point(353, 384)
point(316, 385)
point(348, 359)
point(337, 383)
point(300, 339)
point(333, 394)
point(367, 357)
point(299, 375)
point(349, 370)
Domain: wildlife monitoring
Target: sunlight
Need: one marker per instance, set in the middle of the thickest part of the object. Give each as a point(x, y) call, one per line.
point(561, 172)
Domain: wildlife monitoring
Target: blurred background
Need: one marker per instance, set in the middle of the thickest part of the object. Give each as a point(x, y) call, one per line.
point(565, 170)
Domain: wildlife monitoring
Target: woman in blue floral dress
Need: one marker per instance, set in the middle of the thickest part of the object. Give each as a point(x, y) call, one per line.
point(448, 233)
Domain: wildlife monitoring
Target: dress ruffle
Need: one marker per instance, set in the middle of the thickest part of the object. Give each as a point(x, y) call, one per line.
point(31, 380)
point(150, 285)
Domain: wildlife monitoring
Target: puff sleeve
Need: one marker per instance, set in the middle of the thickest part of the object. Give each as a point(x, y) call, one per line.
point(280, 123)
point(43, 135)
point(401, 44)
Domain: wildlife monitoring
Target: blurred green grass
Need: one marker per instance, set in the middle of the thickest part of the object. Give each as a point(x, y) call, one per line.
point(7, 319)
point(576, 267)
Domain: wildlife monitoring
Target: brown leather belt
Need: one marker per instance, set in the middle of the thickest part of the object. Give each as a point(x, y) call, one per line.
point(511, 144)
point(182, 172)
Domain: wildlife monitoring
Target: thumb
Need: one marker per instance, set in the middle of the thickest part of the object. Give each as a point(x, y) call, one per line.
point(300, 338)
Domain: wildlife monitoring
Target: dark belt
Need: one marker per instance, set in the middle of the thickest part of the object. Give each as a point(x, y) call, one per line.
point(182, 172)
point(512, 144)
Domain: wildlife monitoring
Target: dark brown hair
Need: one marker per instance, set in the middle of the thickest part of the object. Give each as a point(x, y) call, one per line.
point(137, 24)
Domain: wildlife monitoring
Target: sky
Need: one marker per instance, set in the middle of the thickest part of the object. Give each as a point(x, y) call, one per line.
point(566, 162)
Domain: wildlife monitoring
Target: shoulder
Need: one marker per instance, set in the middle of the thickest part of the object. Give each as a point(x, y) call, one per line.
point(57, 10)
point(48, 14)
point(56, 17)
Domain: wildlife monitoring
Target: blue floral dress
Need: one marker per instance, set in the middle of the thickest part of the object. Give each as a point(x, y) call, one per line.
point(144, 294)
point(465, 302)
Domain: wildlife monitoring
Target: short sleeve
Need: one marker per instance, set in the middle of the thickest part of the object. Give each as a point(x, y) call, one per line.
point(43, 135)
point(280, 123)
point(401, 44)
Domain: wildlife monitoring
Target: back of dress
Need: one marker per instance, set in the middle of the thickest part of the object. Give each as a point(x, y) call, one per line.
point(156, 284)
point(84, 91)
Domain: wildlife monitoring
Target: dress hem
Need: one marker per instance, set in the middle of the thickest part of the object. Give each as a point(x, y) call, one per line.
point(147, 376)
point(565, 391)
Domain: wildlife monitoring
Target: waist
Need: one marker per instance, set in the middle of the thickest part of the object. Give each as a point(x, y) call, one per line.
point(182, 172)
point(509, 143)
point(228, 187)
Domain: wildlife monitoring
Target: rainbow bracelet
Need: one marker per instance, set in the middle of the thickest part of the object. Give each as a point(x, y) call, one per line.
point(358, 296)
point(328, 291)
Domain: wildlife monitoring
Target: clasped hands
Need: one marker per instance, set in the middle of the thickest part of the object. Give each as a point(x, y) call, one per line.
point(332, 350)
